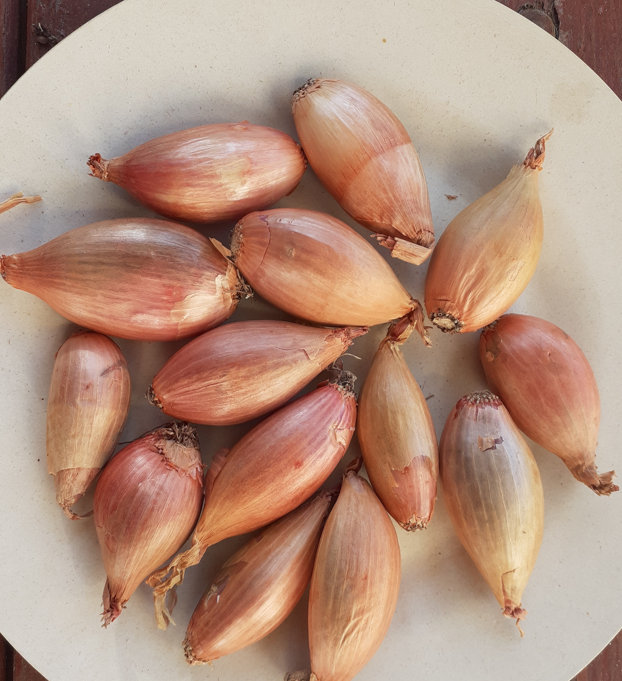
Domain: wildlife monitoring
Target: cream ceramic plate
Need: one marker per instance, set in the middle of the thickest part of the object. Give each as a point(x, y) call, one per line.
point(475, 85)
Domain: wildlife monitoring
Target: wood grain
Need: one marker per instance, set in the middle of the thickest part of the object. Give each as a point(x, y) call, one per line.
point(12, 18)
point(591, 29)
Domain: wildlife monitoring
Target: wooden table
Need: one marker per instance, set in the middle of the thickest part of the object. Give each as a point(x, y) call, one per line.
point(592, 29)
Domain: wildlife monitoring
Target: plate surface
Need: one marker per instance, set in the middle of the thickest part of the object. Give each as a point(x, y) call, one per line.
point(475, 86)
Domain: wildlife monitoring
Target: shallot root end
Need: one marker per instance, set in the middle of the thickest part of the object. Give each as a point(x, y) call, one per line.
point(414, 524)
point(112, 607)
point(446, 322)
point(300, 675)
point(152, 398)
point(189, 654)
point(517, 613)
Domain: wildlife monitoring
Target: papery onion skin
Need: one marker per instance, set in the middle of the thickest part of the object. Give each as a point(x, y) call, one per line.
point(147, 500)
point(548, 386)
point(315, 267)
point(488, 253)
point(270, 471)
point(259, 586)
point(242, 370)
point(364, 156)
point(355, 583)
point(135, 278)
point(396, 434)
point(493, 494)
point(208, 173)
point(87, 407)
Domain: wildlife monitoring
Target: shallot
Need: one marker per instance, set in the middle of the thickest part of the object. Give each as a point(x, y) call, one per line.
point(493, 493)
point(549, 388)
point(88, 403)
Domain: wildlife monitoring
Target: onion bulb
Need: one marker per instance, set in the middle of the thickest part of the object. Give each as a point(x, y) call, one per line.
point(355, 583)
point(549, 388)
point(208, 173)
point(136, 278)
point(493, 493)
point(364, 156)
point(488, 253)
point(147, 500)
point(396, 434)
point(88, 403)
point(317, 268)
point(245, 369)
point(259, 586)
point(276, 466)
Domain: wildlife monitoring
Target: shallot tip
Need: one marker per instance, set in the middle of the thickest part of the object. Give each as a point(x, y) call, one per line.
point(517, 613)
point(98, 167)
point(535, 156)
point(601, 483)
point(112, 607)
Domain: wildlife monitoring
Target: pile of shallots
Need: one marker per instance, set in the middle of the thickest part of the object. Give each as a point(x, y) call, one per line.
point(161, 280)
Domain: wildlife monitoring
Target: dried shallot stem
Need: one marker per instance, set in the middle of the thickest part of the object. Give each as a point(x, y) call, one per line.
point(535, 156)
point(16, 199)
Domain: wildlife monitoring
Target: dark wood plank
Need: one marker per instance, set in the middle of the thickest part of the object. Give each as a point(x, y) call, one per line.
point(6, 660)
point(607, 666)
point(50, 22)
point(12, 17)
point(22, 671)
point(592, 30)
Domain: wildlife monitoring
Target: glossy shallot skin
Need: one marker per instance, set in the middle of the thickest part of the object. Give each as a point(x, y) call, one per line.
point(317, 268)
point(363, 155)
point(136, 278)
point(489, 252)
point(88, 403)
point(549, 388)
point(355, 583)
point(147, 500)
point(396, 434)
point(243, 370)
point(258, 587)
point(270, 471)
point(209, 173)
point(493, 493)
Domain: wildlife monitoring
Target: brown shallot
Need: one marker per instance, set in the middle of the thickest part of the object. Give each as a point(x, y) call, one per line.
point(271, 470)
point(355, 583)
point(147, 500)
point(488, 253)
point(88, 403)
point(364, 156)
point(245, 369)
point(549, 388)
point(137, 278)
point(258, 587)
point(493, 493)
point(317, 268)
point(396, 434)
point(208, 173)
